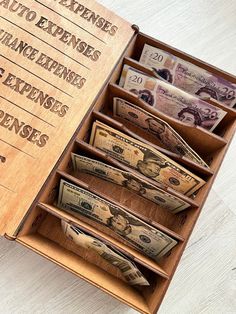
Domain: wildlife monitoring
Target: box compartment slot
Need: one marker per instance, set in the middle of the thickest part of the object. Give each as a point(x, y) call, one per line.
point(221, 128)
point(43, 234)
point(131, 130)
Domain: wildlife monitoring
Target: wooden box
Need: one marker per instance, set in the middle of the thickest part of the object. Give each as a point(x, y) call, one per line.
point(60, 63)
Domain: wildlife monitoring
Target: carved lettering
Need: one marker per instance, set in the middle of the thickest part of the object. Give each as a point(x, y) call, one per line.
point(20, 9)
point(18, 45)
point(90, 16)
point(61, 71)
point(35, 95)
point(43, 60)
point(67, 38)
point(22, 129)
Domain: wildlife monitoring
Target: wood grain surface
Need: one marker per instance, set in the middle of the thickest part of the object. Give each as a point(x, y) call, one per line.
point(66, 97)
point(205, 281)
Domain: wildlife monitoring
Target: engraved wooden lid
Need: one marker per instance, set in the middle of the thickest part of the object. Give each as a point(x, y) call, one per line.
point(55, 57)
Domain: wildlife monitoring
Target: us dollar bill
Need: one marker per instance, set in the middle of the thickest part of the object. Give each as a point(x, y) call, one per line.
point(145, 159)
point(129, 270)
point(137, 233)
point(171, 100)
point(157, 127)
point(189, 77)
point(129, 181)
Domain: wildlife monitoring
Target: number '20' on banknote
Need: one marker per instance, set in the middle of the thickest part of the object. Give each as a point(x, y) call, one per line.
point(129, 181)
point(189, 77)
point(171, 100)
point(143, 237)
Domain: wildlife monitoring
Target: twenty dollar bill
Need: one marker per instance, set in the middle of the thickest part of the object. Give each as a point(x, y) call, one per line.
point(137, 233)
point(145, 159)
point(129, 181)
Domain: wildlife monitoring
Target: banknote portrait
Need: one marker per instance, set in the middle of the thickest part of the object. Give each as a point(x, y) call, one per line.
point(205, 92)
point(133, 184)
point(190, 116)
point(131, 230)
point(156, 127)
point(120, 224)
point(151, 165)
point(165, 74)
point(163, 133)
point(145, 95)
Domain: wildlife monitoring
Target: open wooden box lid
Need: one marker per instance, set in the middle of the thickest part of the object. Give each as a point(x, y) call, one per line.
point(55, 57)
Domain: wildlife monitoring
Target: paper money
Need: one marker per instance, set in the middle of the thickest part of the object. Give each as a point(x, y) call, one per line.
point(128, 269)
point(157, 127)
point(188, 76)
point(171, 100)
point(145, 159)
point(137, 233)
point(129, 181)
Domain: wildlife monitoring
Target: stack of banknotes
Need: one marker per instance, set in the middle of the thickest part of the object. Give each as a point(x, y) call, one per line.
point(131, 274)
point(130, 181)
point(135, 232)
point(179, 90)
point(144, 159)
point(159, 128)
point(189, 77)
point(146, 162)
point(170, 100)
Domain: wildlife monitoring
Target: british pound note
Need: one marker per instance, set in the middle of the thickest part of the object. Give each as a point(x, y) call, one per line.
point(189, 77)
point(171, 100)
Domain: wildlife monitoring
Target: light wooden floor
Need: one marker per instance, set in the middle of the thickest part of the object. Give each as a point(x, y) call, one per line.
point(206, 278)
